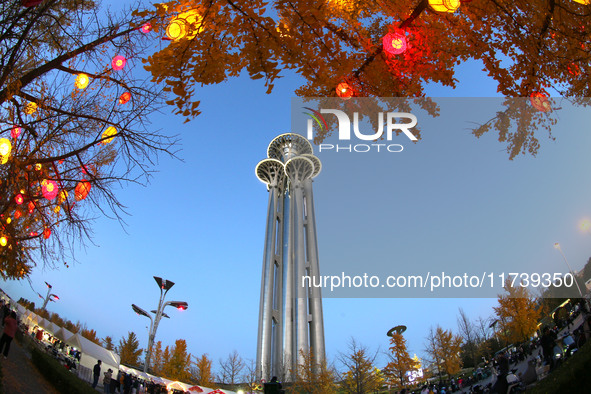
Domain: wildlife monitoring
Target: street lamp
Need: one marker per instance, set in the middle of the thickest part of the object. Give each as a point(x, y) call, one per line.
point(557, 246)
point(164, 286)
point(48, 297)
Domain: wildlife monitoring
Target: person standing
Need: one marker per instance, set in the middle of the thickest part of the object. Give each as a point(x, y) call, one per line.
point(96, 373)
point(10, 326)
point(107, 381)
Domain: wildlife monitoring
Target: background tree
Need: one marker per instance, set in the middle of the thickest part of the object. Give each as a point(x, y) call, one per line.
point(91, 335)
point(313, 378)
point(399, 362)
point(528, 48)
point(201, 371)
point(518, 314)
point(230, 369)
point(360, 375)
point(68, 135)
point(129, 350)
point(107, 343)
point(470, 344)
point(177, 366)
point(443, 348)
point(157, 360)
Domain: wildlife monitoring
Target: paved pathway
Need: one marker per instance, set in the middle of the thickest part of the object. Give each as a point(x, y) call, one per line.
point(20, 375)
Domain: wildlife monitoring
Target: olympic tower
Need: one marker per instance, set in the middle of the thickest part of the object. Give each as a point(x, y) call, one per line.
point(290, 316)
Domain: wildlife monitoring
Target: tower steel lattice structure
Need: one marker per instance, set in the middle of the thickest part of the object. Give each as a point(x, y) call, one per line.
point(290, 317)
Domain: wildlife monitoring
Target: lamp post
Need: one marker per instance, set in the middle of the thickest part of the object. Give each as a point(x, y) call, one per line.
point(48, 297)
point(164, 286)
point(557, 246)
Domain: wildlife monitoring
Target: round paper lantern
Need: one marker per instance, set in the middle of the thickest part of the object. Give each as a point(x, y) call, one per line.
point(5, 149)
point(176, 29)
point(118, 62)
point(17, 214)
point(15, 132)
point(31, 207)
point(38, 166)
point(49, 189)
point(3, 241)
point(30, 108)
point(46, 232)
point(31, 3)
point(81, 81)
point(182, 25)
point(109, 132)
point(394, 43)
point(540, 102)
point(19, 199)
point(124, 98)
point(444, 5)
point(82, 189)
point(63, 194)
point(584, 2)
point(8, 220)
point(146, 28)
point(344, 90)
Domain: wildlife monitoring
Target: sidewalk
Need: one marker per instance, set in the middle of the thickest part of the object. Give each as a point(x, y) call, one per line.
point(20, 375)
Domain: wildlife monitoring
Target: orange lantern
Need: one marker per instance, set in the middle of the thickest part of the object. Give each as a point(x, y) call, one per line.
point(5, 149)
point(540, 102)
point(584, 2)
point(146, 28)
point(180, 26)
point(15, 132)
point(34, 233)
point(17, 214)
point(394, 43)
point(19, 199)
point(63, 194)
point(31, 207)
point(344, 90)
point(109, 132)
point(49, 189)
point(444, 5)
point(124, 98)
point(81, 81)
point(46, 232)
point(30, 108)
point(118, 62)
point(82, 189)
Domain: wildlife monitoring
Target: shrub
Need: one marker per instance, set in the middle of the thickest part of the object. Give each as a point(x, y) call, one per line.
point(63, 380)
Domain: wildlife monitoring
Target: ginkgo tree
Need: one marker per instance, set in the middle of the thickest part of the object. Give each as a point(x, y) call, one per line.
point(72, 125)
point(360, 48)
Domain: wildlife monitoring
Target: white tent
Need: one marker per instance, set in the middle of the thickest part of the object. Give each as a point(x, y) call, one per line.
point(63, 334)
point(53, 328)
point(90, 352)
point(20, 309)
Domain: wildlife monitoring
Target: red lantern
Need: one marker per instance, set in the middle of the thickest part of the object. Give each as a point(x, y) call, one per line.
point(146, 28)
point(17, 214)
point(540, 102)
point(31, 207)
point(15, 132)
point(118, 62)
point(19, 199)
point(49, 189)
point(34, 233)
point(82, 189)
point(31, 3)
point(124, 98)
point(394, 43)
point(344, 90)
point(46, 232)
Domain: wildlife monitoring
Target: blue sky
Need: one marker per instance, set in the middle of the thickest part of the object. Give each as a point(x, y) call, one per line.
point(450, 198)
